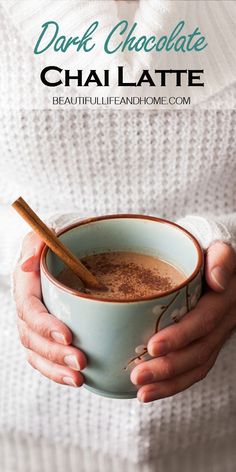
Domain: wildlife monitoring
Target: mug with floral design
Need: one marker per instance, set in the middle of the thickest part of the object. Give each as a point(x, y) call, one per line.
point(114, 333)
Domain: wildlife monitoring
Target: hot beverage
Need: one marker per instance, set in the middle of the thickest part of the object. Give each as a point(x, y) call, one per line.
point(126, 275)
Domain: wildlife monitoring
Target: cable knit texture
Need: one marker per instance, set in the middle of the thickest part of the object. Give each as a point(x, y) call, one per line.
point(169, 164)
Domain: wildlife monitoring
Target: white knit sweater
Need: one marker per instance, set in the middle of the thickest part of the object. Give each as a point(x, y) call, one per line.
point(170, 164)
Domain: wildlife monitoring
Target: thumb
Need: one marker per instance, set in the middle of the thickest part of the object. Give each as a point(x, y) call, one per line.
point(220, 266)
point(31, 251)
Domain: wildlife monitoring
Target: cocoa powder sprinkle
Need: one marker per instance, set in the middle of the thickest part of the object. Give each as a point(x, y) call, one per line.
point(128, 275)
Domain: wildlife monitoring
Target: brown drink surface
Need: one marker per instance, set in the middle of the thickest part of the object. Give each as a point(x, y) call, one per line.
point(126, 275)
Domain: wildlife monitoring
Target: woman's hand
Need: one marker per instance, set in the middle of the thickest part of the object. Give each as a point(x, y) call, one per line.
point(46, 339)
point(185, 352)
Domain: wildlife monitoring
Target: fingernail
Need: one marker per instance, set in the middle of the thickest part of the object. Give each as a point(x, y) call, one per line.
point(158, 348)
point(27, 256)
point(141, 397)
point(72, 362)
point(148, 397)
point(221, 277)
point(58, 337)
point(143, 377)
point(69, 381)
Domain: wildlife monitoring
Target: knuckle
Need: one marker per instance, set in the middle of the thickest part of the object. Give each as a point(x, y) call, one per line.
point(43, 330)
point(20, 311)
point(28, 239)
point(204, 353)
point(28, 304)
point(21, 308)
point(166, 367)
point(203, 373)
point(172, 388)
point(42, 324)
point(209, 320)
point(24, 338)
point(31, 362)
point(25, 308)
point(47, 354)
point(182, 338)
point(51, 354)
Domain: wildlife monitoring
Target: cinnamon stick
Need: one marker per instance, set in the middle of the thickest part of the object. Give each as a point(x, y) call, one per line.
point(55, 244)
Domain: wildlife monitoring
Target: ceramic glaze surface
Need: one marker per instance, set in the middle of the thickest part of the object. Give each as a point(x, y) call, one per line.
point(114, 334)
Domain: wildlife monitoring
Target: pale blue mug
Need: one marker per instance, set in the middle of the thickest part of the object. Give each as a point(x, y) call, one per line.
point(114, 334)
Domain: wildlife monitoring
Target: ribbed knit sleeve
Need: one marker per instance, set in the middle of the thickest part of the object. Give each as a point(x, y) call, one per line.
point(208, 230)
point(96, 162)
point(74, 14)
point(12, 231)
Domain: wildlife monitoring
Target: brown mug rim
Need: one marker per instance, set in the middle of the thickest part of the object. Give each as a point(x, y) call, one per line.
point(54, 281)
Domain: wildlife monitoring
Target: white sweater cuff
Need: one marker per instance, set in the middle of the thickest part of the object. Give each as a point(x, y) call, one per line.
point(207, 230)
